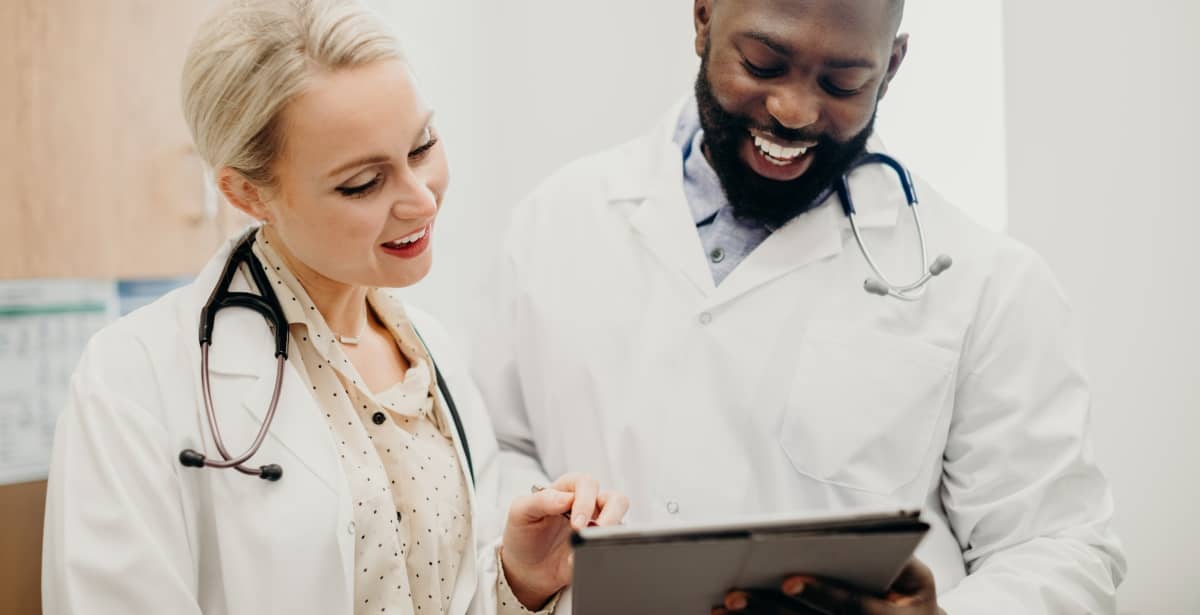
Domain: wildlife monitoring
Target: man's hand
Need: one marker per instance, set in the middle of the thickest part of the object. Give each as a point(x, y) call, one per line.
point(913, 593)
point(537, 548)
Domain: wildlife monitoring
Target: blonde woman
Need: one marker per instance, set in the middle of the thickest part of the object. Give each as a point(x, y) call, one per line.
point(380, 461)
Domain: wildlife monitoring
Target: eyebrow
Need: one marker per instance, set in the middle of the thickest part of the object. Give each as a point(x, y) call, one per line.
point(375, 158)
point(783, 49)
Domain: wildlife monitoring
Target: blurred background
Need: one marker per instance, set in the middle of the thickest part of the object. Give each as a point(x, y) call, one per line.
point(1066, 124)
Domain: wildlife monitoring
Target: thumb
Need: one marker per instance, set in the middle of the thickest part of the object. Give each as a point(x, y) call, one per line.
point(535, 507)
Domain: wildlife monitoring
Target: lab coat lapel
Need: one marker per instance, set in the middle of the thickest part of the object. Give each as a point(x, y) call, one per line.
point(812, 236)
point(242, 372)
point(652, 180)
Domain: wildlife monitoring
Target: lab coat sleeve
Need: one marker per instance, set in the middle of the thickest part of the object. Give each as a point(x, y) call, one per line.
point(115, 539)
point(1021, 488)
point(496, 370)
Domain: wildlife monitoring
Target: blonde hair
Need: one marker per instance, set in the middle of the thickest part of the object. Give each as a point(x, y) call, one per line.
point(251, 57)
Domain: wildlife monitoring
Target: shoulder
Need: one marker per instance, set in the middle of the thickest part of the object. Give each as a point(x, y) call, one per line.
point(587, 179)
point(135, 358)
point(988, 256)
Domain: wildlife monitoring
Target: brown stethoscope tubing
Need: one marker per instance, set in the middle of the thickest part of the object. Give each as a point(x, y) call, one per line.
point(268, 306)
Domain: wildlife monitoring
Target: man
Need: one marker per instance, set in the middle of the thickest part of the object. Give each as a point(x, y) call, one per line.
point(684, 317)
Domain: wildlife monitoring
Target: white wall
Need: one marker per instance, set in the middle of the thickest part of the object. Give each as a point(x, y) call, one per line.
point(944, 113)
point(1103, 98)
point(520, 89)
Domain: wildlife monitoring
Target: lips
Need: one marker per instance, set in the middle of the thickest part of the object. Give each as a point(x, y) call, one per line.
point(409, 246)
point(774, 159)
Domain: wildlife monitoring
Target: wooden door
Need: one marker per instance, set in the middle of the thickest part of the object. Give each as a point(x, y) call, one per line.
point(97, 178)
point(97, 174)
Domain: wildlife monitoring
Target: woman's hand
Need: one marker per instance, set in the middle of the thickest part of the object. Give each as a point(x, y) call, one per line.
point(537, 546)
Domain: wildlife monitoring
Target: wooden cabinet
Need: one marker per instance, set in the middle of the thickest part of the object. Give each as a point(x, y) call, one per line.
point(97, 174)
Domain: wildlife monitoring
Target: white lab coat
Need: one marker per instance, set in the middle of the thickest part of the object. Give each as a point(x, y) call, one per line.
point(130, 530)
point(607, 349)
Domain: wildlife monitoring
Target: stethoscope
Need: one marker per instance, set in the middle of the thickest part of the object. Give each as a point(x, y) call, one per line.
point(267, 305)
point(881, 284)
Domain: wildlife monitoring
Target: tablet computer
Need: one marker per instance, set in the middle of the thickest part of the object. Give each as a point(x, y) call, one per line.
point(688, 569)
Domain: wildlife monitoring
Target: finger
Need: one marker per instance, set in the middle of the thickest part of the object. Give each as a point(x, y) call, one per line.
point(586, 489)
point(769, 601)
point(613, 507)
point(826, 597)
point(535, 507)
point(736, 601)
point(915, 582)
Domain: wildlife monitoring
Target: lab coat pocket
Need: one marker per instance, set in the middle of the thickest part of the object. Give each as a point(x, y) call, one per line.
point(863, 406)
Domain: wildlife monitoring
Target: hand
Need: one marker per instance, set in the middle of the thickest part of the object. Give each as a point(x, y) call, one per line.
point(913, 593)
point(537, 548)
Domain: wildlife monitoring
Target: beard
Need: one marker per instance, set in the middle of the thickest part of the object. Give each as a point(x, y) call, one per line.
point(755, 199)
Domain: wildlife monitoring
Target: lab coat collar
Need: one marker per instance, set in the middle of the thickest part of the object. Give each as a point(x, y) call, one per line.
point(651, 178)
point(878, 206)
point(242, 369)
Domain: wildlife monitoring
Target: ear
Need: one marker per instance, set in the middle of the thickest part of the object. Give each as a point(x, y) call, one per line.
point(899, 50)
point(702, 16)
point(245, 195)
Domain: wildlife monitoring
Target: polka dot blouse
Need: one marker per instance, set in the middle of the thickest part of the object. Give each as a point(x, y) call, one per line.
point(411, 509)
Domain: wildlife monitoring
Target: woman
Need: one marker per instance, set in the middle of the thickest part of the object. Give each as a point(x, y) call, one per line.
point(310, 119)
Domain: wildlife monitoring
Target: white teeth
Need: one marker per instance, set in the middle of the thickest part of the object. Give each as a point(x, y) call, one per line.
point(410, 239)
point(777, 151)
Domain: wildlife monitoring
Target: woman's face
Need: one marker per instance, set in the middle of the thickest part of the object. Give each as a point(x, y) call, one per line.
point(360, 178)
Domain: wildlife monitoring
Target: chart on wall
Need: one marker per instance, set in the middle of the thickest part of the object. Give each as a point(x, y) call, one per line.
point(44, 327)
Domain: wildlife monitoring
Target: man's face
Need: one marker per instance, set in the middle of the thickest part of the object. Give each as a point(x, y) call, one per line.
point(787, 94)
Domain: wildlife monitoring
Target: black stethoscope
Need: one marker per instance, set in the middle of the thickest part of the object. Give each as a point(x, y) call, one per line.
point(267, 305)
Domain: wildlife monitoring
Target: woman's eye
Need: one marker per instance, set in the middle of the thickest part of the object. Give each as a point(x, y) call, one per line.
point(361, 189)
point(760, 71)
point(430, 141)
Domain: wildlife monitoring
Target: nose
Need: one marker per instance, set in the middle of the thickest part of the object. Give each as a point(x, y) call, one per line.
point(794, 107)
point(415, 199)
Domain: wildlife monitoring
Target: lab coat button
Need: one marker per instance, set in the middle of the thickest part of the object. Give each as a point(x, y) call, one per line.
point(672, 507)
point(350, 528)
point(705, 318)
point(717, 255)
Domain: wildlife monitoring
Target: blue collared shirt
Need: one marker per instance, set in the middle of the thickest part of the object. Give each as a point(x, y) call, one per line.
point(726, 240)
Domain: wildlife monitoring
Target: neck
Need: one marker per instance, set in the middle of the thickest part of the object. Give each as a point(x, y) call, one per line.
point(343, 306)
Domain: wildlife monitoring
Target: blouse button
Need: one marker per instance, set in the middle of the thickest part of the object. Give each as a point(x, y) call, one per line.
point(378, 418)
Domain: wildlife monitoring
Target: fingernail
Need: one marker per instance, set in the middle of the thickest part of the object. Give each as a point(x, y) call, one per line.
point(793, 587)
point(579, 521)
point(737, 602)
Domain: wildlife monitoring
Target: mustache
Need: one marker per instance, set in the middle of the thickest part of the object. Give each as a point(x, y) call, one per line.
point(779, 131)
point(784, 133)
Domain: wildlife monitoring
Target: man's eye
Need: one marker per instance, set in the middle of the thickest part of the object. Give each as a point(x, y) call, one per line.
point(760, 71)
point(361, 189)
point(841, 92)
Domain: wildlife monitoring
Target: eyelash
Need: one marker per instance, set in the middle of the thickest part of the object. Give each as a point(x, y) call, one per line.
point(761, 73)
point(420, 151)
point(361, 190)
point(838, 92)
